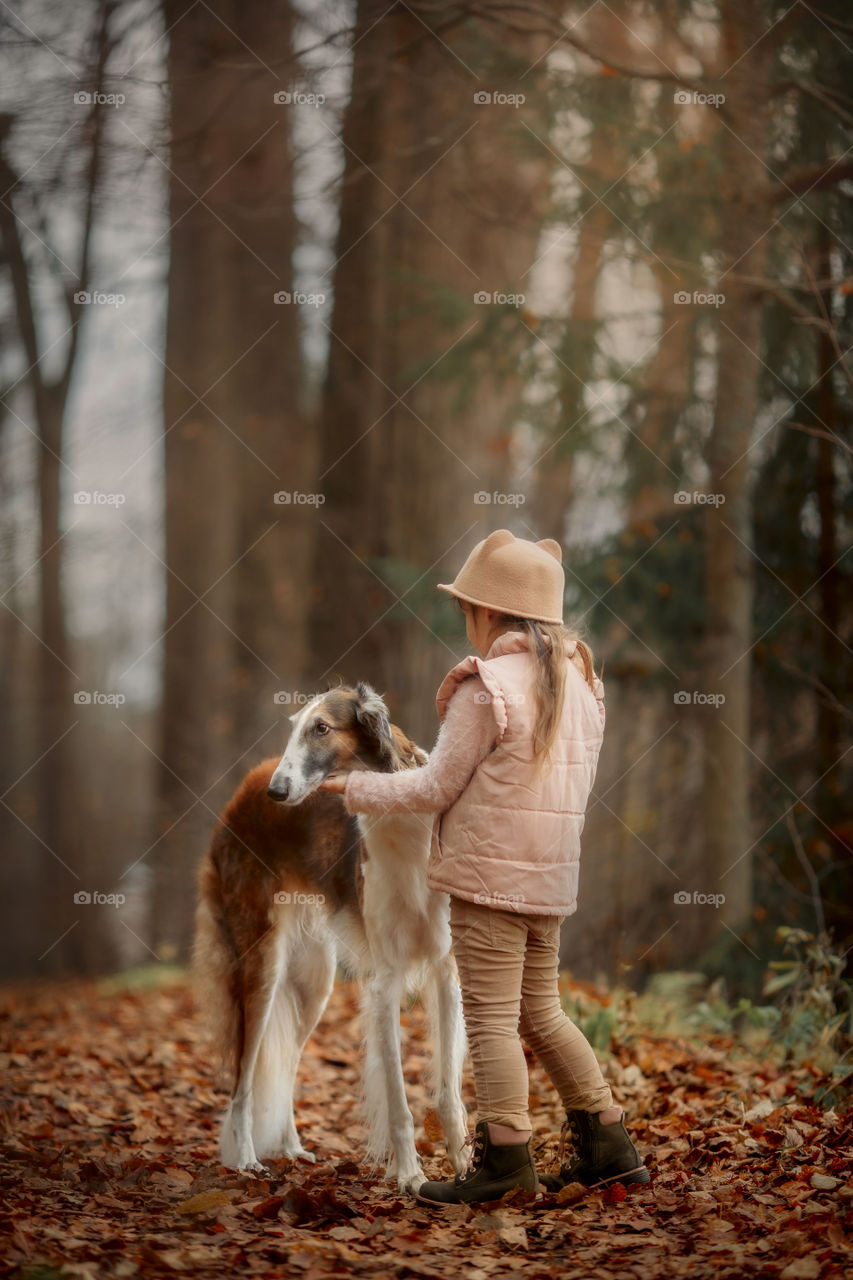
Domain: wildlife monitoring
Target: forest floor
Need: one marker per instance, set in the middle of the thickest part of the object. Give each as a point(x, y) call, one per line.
point(110, 1169)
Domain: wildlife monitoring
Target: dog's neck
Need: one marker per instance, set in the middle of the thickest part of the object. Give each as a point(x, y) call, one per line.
point(396, 835)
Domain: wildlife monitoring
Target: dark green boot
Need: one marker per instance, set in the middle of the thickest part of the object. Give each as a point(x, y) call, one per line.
point(604, 1153)
point(492, 1172)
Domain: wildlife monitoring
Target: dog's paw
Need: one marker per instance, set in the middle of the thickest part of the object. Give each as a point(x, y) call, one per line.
point(253, 1168)
point(409, 1186)
point(410, 1169)
point(291, 1151)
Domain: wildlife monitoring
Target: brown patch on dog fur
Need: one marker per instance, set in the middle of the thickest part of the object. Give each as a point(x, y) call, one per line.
point(408, 751)
point(260, 848)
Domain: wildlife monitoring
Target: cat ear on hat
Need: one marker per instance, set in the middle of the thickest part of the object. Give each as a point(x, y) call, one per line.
point(500, 538)
point(553, 548)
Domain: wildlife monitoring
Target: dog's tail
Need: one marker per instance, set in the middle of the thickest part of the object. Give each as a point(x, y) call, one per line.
point(260, 1001)
point(214, 966)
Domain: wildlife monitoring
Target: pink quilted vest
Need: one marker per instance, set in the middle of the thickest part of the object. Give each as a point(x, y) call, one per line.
point(513, 838)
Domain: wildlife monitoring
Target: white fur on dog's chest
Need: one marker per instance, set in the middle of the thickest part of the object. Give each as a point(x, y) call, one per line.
point(397, 835)
point(402, 915)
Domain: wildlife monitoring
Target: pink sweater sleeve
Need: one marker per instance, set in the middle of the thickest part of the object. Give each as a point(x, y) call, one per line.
point(466, 736)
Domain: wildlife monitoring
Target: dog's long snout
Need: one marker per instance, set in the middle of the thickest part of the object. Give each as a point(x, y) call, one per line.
point(279, 789)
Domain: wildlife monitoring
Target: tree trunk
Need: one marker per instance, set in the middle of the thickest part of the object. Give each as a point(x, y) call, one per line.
point(554, 474)
point(729, 560)
point(232, 628)
point(58, 944)
point(828, 748)
point(400, 477)
point(55, 776)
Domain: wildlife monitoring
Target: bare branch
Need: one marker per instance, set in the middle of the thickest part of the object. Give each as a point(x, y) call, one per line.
point(809, 870)
point(831, 21)
point(493, 14)
point(821, 434)
point(825, 692)
point(830, 100)
point(13, 252)
point(97, 116)
point(822, 322)
point(816, 177)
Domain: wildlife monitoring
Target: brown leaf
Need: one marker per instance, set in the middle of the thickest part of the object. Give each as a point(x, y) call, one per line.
point(268, 1208)
point(433, 1127)
point(204, 1201)
point(571, 1193)
point(807, 1268)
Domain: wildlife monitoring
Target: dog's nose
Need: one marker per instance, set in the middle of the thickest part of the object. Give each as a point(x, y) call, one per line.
point(279, 790)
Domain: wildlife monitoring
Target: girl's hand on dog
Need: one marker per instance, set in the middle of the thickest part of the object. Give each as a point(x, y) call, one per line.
point(336, 783)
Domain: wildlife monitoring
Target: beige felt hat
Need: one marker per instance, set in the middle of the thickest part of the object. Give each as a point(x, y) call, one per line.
point(523, 579)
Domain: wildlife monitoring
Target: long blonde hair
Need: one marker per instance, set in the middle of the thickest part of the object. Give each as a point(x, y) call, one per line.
point(547, 642)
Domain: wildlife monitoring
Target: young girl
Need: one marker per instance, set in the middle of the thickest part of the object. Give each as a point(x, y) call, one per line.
point(509, 778)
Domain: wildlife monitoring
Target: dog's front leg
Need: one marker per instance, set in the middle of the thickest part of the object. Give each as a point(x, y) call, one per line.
point(237, 1134)
point(444, 1010)
point(389, 1118)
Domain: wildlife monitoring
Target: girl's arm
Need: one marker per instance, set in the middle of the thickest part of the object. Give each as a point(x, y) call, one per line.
point(467, 734)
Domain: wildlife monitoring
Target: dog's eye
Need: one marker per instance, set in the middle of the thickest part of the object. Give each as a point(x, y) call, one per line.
point(321, 726)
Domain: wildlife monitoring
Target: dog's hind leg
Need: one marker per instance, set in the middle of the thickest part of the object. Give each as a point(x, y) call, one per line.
point(389, 1118)
point(304, 993)
point(261, 975)
point(444, 1013)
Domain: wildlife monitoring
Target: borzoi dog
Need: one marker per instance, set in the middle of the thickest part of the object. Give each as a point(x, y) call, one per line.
point(291, 884)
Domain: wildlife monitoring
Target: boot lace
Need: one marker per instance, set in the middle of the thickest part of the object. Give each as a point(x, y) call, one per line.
point(475, 1142)
point(570, 1132)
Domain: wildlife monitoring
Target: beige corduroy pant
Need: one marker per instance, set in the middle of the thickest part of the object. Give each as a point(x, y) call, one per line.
point(508, 965)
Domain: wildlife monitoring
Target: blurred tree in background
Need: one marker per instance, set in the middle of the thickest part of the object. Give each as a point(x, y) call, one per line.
point(434, 269)
point(233, 429)
point(442, 203)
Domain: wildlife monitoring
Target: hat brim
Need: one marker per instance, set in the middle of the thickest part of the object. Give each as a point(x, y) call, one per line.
point(485, 604)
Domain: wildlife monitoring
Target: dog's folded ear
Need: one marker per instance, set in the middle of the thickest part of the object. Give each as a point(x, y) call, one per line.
point(372, 714)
